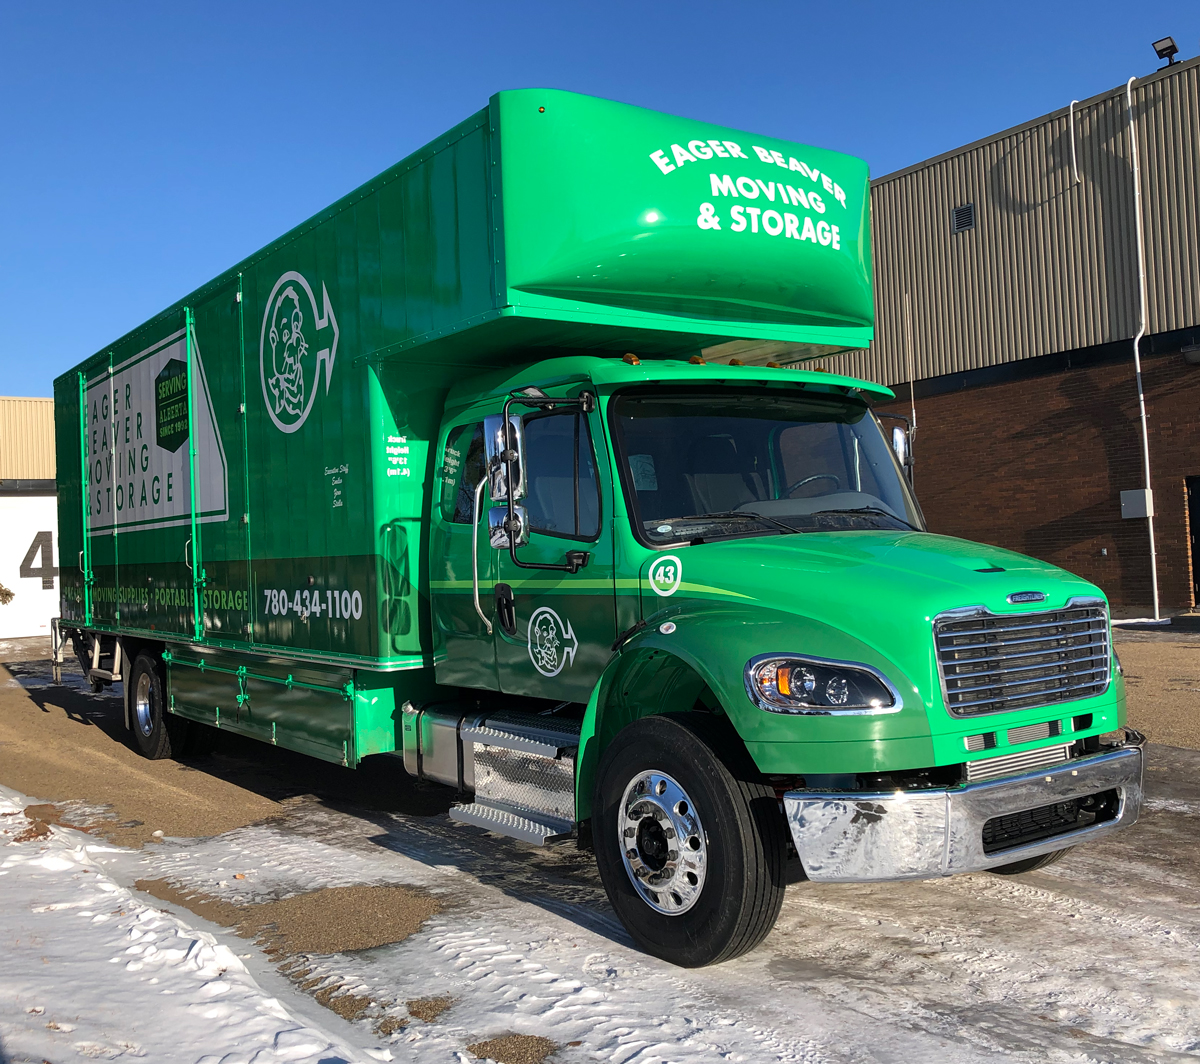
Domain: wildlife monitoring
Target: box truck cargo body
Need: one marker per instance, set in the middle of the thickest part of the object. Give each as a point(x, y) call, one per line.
point(445, 473)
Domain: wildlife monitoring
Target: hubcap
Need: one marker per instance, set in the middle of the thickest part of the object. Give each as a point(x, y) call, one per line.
point(662, 843)
point(141, 705)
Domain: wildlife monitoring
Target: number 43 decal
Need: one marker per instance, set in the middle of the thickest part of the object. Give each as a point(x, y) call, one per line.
point(43, 544)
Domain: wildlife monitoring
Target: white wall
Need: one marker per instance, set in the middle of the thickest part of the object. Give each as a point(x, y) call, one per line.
point(22, 519)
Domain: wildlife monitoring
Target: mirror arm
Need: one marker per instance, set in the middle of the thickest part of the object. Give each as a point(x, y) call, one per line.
point(576, 559)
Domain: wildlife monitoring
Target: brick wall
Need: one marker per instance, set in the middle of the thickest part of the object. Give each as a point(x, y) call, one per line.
point(1038, 465)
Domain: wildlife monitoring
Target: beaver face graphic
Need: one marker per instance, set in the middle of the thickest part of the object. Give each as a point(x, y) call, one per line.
point(288, 350)
point(298, 337)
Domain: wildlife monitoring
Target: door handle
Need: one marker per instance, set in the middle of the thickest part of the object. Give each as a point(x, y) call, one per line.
point(506, 608)
point(81, 569)
point(187, 546)
point(475, 553)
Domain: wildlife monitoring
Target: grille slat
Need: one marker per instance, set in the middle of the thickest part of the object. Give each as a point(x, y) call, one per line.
point(1022, 628)
point(1019, 668)
point(1015, 683)
point(1028, 698)
point(991, 643)
point(977, 654)
point(1052, 654)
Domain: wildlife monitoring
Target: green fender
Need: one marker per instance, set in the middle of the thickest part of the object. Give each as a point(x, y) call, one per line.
point(704, 659)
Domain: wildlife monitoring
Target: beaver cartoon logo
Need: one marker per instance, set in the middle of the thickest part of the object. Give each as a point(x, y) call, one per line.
point(552, 644)
point(290, 371)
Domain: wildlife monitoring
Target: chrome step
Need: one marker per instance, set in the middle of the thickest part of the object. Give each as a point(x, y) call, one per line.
point(510, 823)
point(549, 740)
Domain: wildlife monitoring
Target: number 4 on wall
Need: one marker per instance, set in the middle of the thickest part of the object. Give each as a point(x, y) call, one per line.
point(43, 544)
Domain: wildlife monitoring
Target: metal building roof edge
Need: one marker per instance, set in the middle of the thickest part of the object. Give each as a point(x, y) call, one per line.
point(1158, 75)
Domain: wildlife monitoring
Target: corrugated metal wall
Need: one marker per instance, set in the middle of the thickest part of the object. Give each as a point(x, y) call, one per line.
point(26, 439)
point(1051, 263)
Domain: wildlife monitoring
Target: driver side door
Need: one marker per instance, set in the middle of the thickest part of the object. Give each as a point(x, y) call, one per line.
point(555, 629)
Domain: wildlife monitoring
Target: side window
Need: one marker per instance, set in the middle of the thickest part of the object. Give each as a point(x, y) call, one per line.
point(563, 496)
point(462, 470)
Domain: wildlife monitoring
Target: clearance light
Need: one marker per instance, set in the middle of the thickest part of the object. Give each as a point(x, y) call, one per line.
point(781, 683)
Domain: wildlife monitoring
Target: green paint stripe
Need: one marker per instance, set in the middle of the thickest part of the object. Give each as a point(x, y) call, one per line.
point(704, 589)
point(546, 585)
point(585, 585)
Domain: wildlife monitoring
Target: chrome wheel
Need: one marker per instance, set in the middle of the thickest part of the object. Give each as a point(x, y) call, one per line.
point(662, 843)
point(142, 709)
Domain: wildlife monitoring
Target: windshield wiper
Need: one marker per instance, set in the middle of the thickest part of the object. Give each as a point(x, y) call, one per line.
point(869, 510)
point(723, 515)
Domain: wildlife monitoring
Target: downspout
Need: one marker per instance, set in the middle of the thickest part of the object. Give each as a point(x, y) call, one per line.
point(1071, 121)
point(1141, 331)
point(912, 395)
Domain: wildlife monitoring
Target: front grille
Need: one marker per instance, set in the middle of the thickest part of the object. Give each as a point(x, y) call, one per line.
point(993, 663)
point(1032, 825)
point(1008, 764)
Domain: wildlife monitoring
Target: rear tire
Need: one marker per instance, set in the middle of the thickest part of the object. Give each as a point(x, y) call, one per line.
point(156, 733)
point(1031, 863)
point(690, 843)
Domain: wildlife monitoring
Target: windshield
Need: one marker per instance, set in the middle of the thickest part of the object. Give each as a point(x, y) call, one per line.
point(703, 465)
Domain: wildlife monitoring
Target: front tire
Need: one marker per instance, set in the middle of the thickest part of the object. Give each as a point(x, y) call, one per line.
point(156, 733)
point(1031, 863)
point(690, 843)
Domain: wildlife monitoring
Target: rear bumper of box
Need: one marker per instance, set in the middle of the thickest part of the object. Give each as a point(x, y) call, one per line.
point(852, 837)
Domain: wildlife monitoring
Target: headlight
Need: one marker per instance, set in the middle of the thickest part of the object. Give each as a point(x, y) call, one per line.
point(784, 683)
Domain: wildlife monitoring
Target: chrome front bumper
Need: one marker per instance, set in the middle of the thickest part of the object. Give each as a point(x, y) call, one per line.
point(853, 837)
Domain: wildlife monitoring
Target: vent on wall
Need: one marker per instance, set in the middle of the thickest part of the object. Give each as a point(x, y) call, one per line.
point(963, 218)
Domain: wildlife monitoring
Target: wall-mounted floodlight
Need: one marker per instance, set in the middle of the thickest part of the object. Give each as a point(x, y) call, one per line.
point(1166, 49)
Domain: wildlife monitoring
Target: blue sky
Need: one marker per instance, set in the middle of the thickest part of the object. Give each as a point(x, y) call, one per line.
point(149, 146)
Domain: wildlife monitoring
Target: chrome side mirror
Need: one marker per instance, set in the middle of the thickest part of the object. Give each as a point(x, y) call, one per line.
point(499, 530)
point(900, 445)
point(504, 450)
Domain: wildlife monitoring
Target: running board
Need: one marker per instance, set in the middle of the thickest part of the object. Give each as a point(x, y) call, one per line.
point(502, 734)
point(509, 823)
point(524, 771)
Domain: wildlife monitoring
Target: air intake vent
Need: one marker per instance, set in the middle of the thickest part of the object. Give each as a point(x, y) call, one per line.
point(963, 218)
point(1032, 732)
point(1010, 764)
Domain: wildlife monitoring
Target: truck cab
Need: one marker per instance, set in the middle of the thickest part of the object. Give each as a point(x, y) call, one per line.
point(664, 562)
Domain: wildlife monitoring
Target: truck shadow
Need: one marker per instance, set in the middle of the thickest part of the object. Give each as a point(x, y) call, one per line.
point(374, 806)
point(72, 697)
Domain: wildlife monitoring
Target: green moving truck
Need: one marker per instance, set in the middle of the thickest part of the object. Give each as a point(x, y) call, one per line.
point(463, 471)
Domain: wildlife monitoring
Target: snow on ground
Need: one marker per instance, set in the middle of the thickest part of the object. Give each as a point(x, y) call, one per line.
point(1091, 962)
point(90, 972)
point(510, 966)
